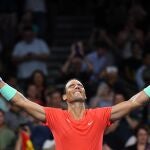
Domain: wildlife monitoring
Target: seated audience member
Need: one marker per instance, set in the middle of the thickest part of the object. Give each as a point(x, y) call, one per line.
point(76, 66)
point(100, 58)
point(139, 73)
point(30, 54)
point(32, 94)
point(54, 98)
point(142, 136)
point(118, 134)
point(39, 134)
point(7, 136)
point(39, 80)
point(130, 65)
point(23, 141)
point(103, 97)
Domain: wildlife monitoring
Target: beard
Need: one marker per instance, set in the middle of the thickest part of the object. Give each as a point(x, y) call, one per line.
point(78, 96)
point(76, 99)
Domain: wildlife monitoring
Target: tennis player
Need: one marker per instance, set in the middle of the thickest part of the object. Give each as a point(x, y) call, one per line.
point(76, 128)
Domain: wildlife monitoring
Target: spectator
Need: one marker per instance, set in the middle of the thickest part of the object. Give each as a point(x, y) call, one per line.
point(26, 21)
point(7, 136)
point(54, 98)
point(142, 136)
point(100, 35)
point(39, 80)
point(103, 97)
point(38, 7)
point(100, 58)
point(131, 64)
point(111, 76)
point(14, 117)
point(32, 94)
point(24, 141)
point(30, 54)
point(39, 134)
point(115, 136)
point(76, 65)
point(139, 73)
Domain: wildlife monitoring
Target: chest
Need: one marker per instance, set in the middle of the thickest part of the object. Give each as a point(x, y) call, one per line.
point(84, 129)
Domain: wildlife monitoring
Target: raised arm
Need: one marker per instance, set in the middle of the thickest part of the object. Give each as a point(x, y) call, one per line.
point(124, 108)
point(19, 100)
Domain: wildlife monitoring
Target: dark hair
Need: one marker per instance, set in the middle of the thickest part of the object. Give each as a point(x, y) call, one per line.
point(33, 75)
point(69, 81)
point(141, 126)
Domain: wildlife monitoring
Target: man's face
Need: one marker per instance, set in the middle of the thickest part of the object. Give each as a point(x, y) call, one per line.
point(75, 91)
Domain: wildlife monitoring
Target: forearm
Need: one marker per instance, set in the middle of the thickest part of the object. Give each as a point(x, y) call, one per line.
point(30, 107)
point(124, 108)
point(139, 99)
point(120, 110)
point(10, 94)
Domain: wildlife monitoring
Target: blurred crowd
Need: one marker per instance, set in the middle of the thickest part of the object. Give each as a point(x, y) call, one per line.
point(113, 65)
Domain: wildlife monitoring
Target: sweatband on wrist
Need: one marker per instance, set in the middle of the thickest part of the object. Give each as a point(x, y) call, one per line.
point(147, 91)
point(8, 92)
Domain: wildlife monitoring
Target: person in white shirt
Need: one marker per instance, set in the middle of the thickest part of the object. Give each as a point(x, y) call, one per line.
point(30, 54)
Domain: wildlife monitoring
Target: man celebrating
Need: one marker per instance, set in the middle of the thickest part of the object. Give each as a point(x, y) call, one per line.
point(76, 128)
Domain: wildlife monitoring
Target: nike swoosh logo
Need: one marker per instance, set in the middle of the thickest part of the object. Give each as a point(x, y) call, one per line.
point(90, 123)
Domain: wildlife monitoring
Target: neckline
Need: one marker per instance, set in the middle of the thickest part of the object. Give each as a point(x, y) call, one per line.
point(70, 117)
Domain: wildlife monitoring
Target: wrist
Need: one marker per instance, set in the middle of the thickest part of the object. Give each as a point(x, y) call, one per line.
point(147, 91)
point(7, 91)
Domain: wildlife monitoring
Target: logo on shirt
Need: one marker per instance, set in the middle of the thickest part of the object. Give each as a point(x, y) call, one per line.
point(90, 123)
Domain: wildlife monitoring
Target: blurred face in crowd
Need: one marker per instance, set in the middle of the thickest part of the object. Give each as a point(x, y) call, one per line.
point(56, 98)
point(103, 90)
point(32, 91)
point(38, 78)
point(28, 36)
point(111, 75)
point(142, 136)
point(75, 91)
point(1, 118)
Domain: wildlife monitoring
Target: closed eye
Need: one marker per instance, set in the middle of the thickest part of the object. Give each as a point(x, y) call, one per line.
point(73, 85)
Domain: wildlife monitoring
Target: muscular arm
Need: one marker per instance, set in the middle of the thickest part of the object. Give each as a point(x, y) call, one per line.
point(32, 108)
point(124, 108)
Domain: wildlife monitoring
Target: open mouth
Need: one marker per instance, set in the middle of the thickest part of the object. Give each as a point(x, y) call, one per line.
point(77, 93)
